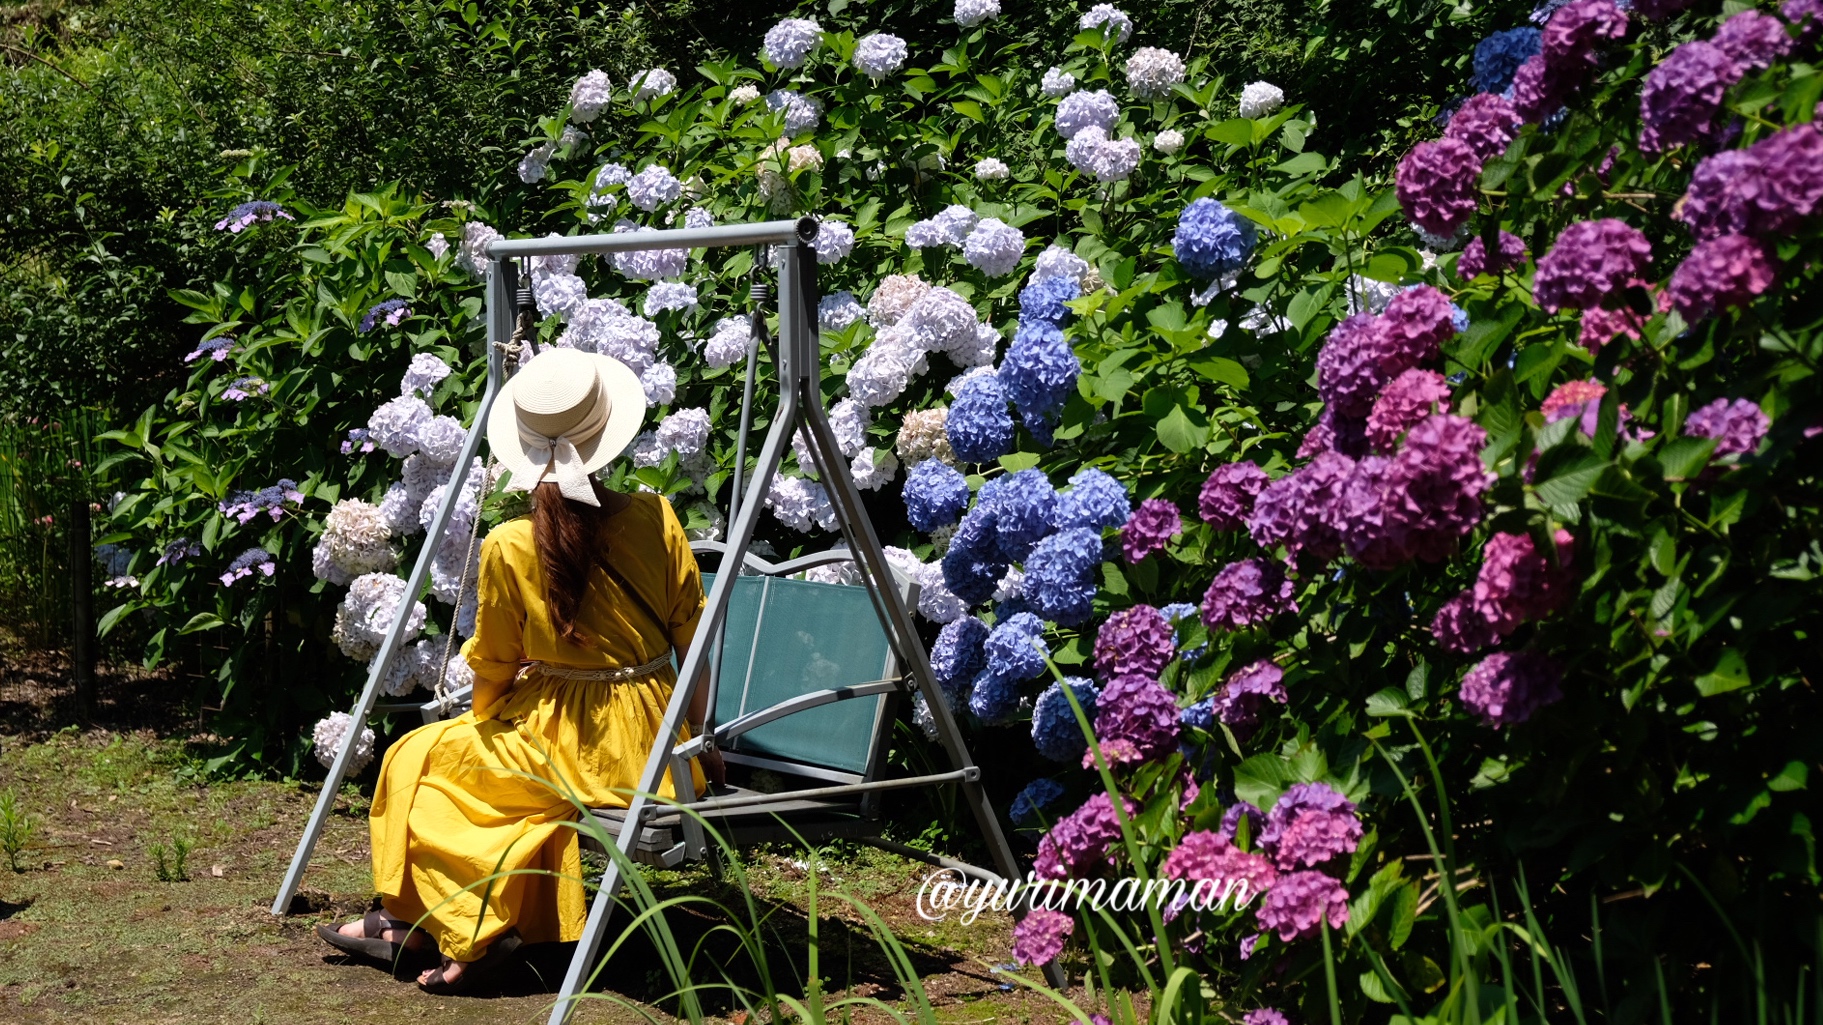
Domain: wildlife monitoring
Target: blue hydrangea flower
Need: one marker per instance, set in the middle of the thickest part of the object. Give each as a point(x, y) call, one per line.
point(1010, 651)
point(1043, 429)
point(1459, 318)
point(1176, 612)
point(1025, 511)
point(1095, 501)
point(979, 427)
point(1038, 795)
point(1200, 715)
point(1007, 608)
point(1055, 731)
point(972, 567)
point(993, 698)
point(1060, 575)
point(1040, 369)
point(935, 495)
point(1498, 57)
point(957, 656)
point(390, 313)
point(1213, 241)
point(1043, 300)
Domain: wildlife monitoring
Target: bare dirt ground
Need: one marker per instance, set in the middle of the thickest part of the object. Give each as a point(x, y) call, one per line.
point(90, 933)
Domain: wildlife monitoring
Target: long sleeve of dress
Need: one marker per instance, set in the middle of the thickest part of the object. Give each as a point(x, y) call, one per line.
point(685, 584)
point(498, 647)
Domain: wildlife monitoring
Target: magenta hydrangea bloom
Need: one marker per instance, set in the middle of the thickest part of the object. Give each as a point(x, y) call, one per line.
point(1245, 692)
point(1416, 504)
point(1461, 629)
point(1351, 365)
point(1683, 94)
point(1754, 40)
point(1265, 1016)
point(1247, 593)
point(1723, 197)
point(1298, 903)
point(1721, 274)
point(1581, 399)
point(1413, 328)
point(1518, 583)
point(1138, 641)
point(1411, 397)
point(1591, 261)
point(1214, 857)
point(1079, 841)
point(1333, 432)
point(1296, 510)
point(1038, 937)
point(1227, 496)
point(1507, 688)
point(1150, 529)
point(1807, 16)
point(1601, 326)
point(1537, 92)
point(1576, 30)
point(1509, 254)
point(1739, 424)
point(1487, 122)
point(1768, 189)
point(1310, 824)
point(1135, 709)
point(1438, 184)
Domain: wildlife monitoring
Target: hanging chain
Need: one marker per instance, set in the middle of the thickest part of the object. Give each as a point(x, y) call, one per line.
point(513, 349)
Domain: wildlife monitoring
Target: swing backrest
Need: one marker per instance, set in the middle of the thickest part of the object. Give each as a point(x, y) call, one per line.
point(785, 638)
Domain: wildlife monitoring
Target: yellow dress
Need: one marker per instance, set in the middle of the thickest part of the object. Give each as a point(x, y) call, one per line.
point(462, 800)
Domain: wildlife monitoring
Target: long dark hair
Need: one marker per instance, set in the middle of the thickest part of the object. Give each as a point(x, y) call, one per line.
point(569, 539)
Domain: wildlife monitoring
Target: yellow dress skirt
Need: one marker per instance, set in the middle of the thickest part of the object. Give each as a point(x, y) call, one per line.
point(473, 825)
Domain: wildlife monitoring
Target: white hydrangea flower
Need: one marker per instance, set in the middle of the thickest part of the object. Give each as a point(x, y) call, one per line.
point(1011, 586)
point(685, 432)
point(802, 113)
point(326, 739)
point(744, 94)
point(548, 266)
point(660, 383)
point(408, 669)
point(894, 296)
point(355, 541)
point(970, 13)
point(834, 241)
point(923, 435)
point(588, 322)
point(438, 245)
point(1261, 99)
point(366, 614)
point(837, 312)
point(1168, 141)
point(844, 572)
point(1366, 294)
point(441, 439)
point(1152, 71)
point(653, 187)
point(589, 96)
point(994, 248)
point(399, 508)
point(1057, 83)
point(800, 448)
point(921, 716)
point(936, 602)
point(648, 264)
point(800, 504)
point(646, 449)
point(697, 217)
point(394, 426)
point(954, 387)
point(629, 339)
point(1081, 110)
point(1108, 160)
point(1058, 262)
point(422, 475)
point(790, 42)
point(729, 343)
point(1110, 19)
point(558, 295)
point(472, 256)
point(669, 295)
point(927, 234)
point(653, 82)
point(533, 165)
point(611, 174)
point(873, 468)
point(939, 320)
point(880, 54)
point(992, 169)
point(803, 158)
point(978, 349)
point(849, 421)
point(468, 504)
point(882, 373)
point(423, 374)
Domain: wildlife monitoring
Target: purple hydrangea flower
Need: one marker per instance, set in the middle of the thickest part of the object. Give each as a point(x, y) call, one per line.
point(1517, 583)
point(1498, 57)
point(1576, 30)
point(1137, 711)
point(1245, 692)
point(1137, 641)
point(1351, 367)
point(1310, 823)
point(177, 551)
point(979, 427)
point(1412, 396)
point(242, 388)
point(1721, 274)
point(1025, 512)
point(1150, 529)
point(1591, 261)
point(1060, 575)
point(1458, 627)
point(1265, 1016)
point(935, 495)
point(1755, 40)
point(1475, 260)
point(1438, 185)
point(217, 349)
point(248, 214)
point(1095, 502)
point(1226, 499)
point(1247, 593)
point(1738, 425)
point(1299, 901)
point(1038, 795)
point(1580, 399)
point(246, 563)
point(1507, 688)
point(1040, 369)
point(1537, 93)
point(1683, 95)
point(1079, 841)
point(1335, 432)
point(1806, 16)
point(1231, 820)
point(1038, 937)
point(1487, 122)
point(973, 565)
point(1055, 732)
point(245, 505)
point(1295, 510)
point(390, 313)
point(958, 656)
point(360, 439)
point(1202, 855)
point(1419, 502)
point(1212, 241)
point(1413, 328)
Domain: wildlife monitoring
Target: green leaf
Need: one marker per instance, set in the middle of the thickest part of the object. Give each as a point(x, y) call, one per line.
point(1572, 480)
point(970, 109)
point(1684, 458)
point(1730, 673)
point(1223, 370)
point(1013, 462)
point(1391, 701)
point(1237, 132)
point(1793, 777)
point(1179, 433)
point(1261, 779)
point(1404, 913)
point(201, 621)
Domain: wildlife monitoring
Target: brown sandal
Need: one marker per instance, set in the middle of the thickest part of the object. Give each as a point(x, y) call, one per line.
point(372, 942)
point(474, 972)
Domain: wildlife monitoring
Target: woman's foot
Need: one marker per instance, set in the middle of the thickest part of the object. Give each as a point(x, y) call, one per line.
point(396, 931)
point(450, 972)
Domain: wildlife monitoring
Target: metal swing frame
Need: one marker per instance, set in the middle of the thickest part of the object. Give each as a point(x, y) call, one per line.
point(800, 404)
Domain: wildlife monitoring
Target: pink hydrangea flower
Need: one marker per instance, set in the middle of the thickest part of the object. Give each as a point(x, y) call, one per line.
point(1039, 937)
point(1507, 688)
point(1299, 902)
point(1721, 274)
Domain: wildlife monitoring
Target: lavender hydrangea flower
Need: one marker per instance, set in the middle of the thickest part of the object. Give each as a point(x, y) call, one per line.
point(1538, 94)
point(1498, 57)
point(1137, 718)
point(1055, 732)
point(1458, 627)
point(1509, 254)
point(359, 439)
point(1231, 821)
point(1487, 122)
point(1152, 72)
point(1683, 94)
point(1591, 261)
point(246, 564)
point(1572, 35)
point(1295, 511)
point(1265, 1016)
point(1150, 529)
point(1060, 575)
point(653, 187)
point(1137, 641)
point(1579, 399)
point(1419, 502)
point(1038, 795)
point(1237, 704)
point(834, 241)
point(1721, 274)
point(789, 43)
point(994, 247)
point(1409, 398)
point(838, 311)
point(1508, 688)
point(1226, 500)
point(1080, 840)
point(1293, 804)
point(246, 215)
point(1213, 241)
point(177, 551)
point(1438, 184)
point(879, 54)
point(1110, 19)
point(1106, 159)
point(802, 113)
point(1245, 594)
point(970, 13)
point(1738, 425)
point(1754, 39)
point(1095, 501)
point(1057, 83)
point(590, 96)
point(1807, 17)
point(1298, 903)
point(390, 312)
point(1081, 110)
point(958, 656)
point(652, 83)
point(217, 349)
point(935, 495)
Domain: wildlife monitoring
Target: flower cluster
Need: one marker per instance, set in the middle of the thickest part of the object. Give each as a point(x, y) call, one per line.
point(1136, 641)
point(880, 54)
point(390, 312)
point(1152, 72)
point(1508, 688)
point(1738, 426)
point(245, 505)
point(1212, 241)
point(246, 564)
point(1056, 733)
point(328, 735)
point(1517, 584)
point(246, 215)
point(1080, 840)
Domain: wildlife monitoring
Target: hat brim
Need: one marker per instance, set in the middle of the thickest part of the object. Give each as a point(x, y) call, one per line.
point(627, 415)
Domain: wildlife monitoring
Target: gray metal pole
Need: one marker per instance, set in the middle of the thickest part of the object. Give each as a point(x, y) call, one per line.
point(775, 233)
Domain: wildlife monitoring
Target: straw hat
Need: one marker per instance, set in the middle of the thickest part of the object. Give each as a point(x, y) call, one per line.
point(564, 415)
